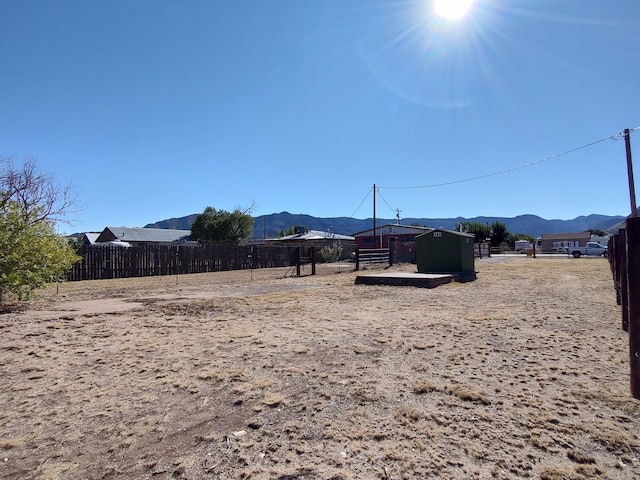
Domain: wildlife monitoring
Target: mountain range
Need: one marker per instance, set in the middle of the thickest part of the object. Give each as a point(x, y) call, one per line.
point(268, 226)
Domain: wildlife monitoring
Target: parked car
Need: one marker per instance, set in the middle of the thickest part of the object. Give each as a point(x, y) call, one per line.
point(592, 248)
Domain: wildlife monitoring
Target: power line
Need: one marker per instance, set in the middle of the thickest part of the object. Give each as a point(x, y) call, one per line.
point(357, 208)
point(365, 197)
point(616, 136)
point(385, 201)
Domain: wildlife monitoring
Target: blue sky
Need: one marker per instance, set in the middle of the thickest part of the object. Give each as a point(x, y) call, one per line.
point(155, 109)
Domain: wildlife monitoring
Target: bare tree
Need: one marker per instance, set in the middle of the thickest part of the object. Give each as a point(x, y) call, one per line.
point(34, 194)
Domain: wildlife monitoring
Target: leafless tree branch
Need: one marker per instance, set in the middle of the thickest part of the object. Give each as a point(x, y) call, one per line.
point(35, 195)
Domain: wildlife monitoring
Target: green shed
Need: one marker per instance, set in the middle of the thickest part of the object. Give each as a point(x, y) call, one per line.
point(445, 251)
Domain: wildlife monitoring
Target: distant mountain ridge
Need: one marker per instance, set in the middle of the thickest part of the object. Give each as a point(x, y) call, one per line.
point(268, 226)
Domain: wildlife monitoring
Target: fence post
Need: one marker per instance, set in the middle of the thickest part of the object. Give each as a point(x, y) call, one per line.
point(392, 250)
point(357, 258)
point(612, 245)
point(633, 298)
point(624, 280)
point(615, 260)
point(298, 261)
point(313, 260)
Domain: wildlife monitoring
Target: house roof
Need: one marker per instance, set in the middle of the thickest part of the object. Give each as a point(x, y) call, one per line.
point(394, 229)
point(90, 237)
point(566, 236)
point(314, 235)
point(126, 234)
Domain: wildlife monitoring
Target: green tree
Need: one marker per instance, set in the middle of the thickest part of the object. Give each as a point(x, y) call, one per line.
point(500, 236)
point(480, 231)
point(220, 226)
point(31, 253)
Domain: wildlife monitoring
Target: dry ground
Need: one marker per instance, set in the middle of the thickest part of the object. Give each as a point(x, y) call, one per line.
point(522, 373)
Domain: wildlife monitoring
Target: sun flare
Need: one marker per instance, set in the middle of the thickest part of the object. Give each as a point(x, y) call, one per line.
point(452, 9)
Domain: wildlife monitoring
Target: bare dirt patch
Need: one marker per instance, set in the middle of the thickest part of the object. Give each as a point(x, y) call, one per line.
point(522, 373)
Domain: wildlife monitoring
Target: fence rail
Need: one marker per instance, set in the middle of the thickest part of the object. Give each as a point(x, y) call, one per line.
point(102, 262)
point(370, 256)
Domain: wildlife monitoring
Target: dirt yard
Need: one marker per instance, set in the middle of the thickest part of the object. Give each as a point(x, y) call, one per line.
point(522, 373)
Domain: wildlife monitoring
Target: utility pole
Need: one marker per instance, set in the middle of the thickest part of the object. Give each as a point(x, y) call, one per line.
point(632, 190)
point(374, 216)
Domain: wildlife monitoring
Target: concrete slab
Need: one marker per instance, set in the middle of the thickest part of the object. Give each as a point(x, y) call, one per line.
point(424, 280)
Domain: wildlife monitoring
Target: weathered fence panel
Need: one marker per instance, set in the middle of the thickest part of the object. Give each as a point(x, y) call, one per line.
point(102, 262)
point(371, 256)
point(625, 265)
point(633, 299)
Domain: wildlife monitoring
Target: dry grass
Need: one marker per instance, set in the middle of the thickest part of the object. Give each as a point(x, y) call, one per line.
point(249, 375)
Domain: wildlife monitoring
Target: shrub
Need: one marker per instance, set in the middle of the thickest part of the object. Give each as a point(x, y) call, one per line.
point(331, 253)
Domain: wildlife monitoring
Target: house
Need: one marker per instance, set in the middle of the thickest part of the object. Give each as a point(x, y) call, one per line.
point(404, 237)
point(445, 251)
point(141, 237)
point(558, 242)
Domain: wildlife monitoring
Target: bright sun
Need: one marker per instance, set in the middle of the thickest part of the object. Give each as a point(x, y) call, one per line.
point(451, 9)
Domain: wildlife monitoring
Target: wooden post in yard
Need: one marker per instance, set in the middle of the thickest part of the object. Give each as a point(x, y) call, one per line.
point(633, 299)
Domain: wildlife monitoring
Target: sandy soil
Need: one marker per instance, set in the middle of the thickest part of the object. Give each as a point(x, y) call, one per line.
point(522, 373)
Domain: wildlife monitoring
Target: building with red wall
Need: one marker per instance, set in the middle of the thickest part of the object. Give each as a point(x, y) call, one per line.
point(404, 237)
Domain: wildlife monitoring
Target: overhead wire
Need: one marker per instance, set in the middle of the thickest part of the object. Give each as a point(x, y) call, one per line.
point(394, 210)
point(616, 136)
point(357, 208)
point(365, 197)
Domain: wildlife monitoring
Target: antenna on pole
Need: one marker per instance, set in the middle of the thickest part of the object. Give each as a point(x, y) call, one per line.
point(398, 216)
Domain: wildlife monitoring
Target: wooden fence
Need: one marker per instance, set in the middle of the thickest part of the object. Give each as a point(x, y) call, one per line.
point(102, 262)
point(371, 256)
point(624, 258)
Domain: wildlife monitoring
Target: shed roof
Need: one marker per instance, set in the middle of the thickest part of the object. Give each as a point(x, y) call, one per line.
point(451, 232)
point(160, 235)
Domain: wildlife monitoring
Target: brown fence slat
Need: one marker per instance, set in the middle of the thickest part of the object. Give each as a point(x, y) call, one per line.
point(103, 262)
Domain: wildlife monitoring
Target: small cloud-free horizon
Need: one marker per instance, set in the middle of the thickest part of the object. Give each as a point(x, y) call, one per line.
point(155, 110)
